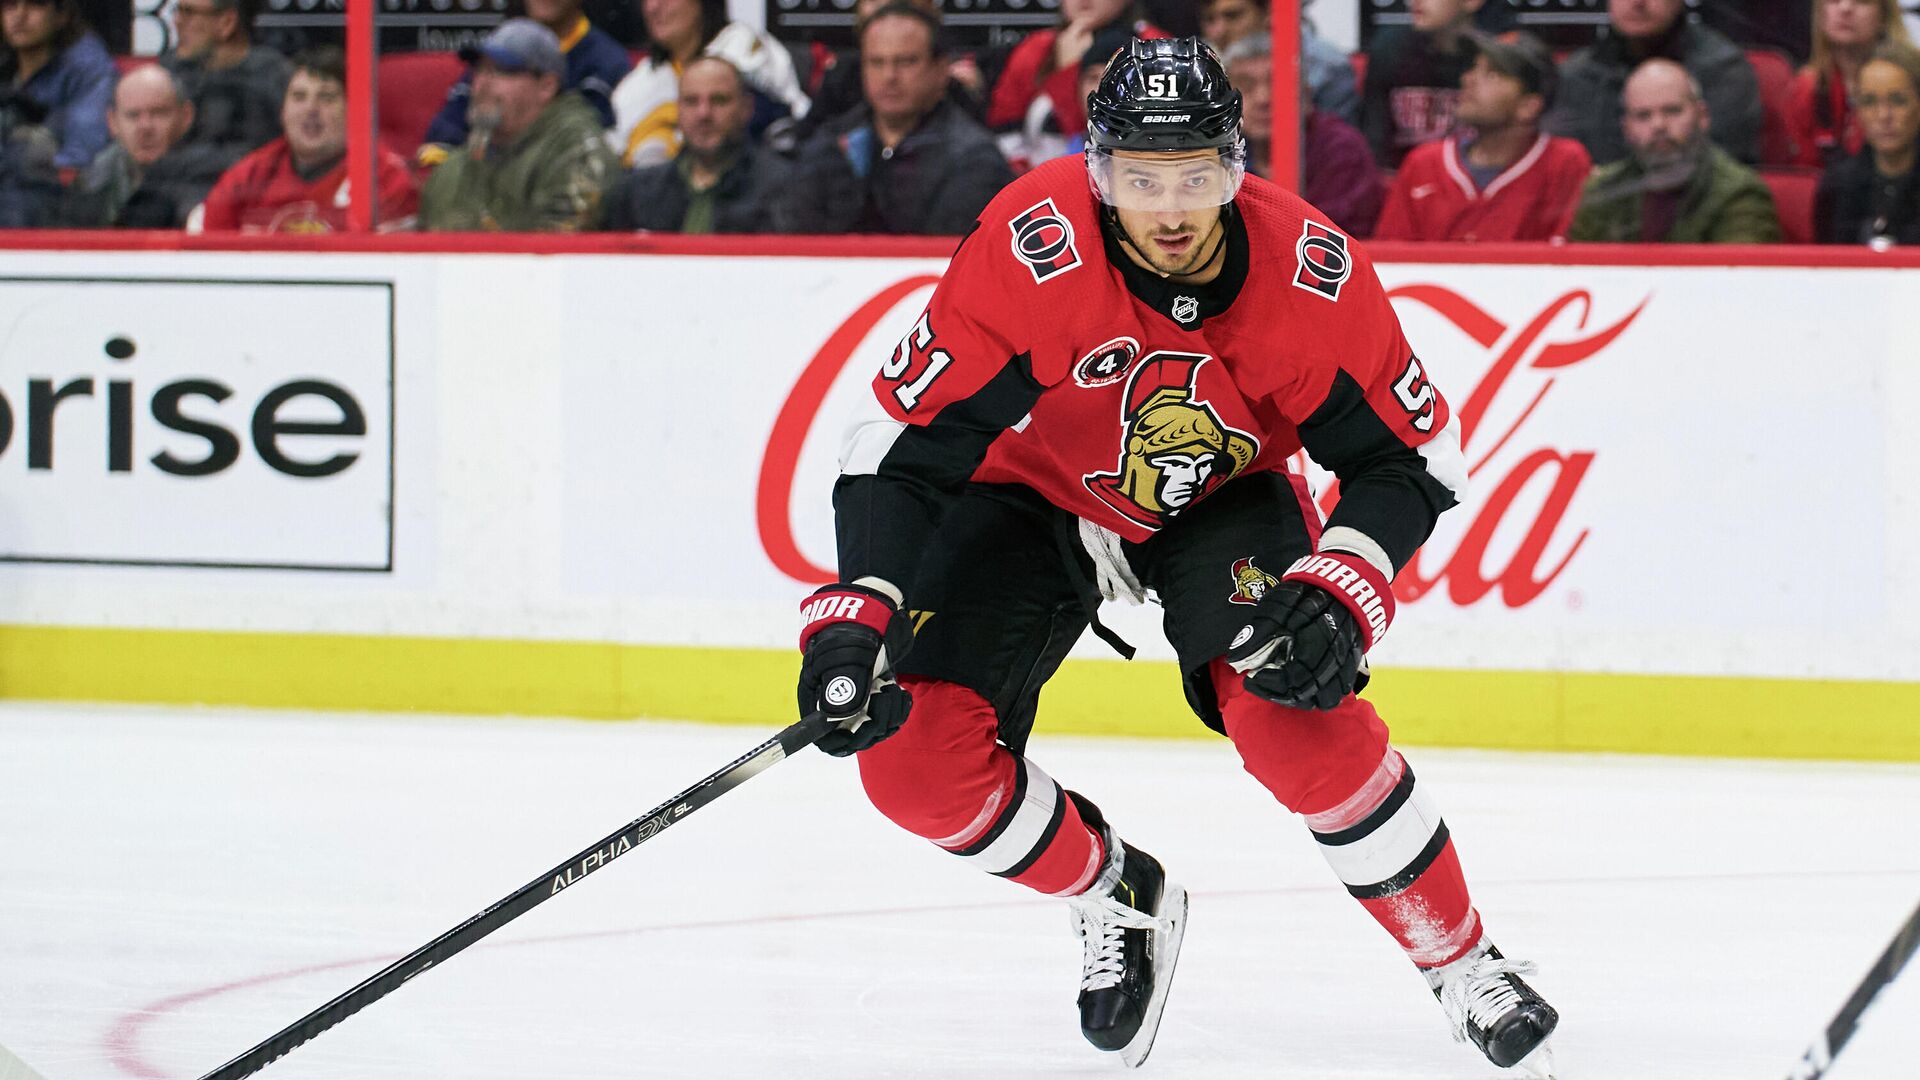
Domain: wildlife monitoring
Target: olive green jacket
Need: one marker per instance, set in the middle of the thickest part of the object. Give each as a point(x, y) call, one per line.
point(1724, 203)
point(549, 180)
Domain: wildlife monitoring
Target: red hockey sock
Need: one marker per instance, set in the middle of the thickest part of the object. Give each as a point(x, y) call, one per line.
point(946, 777)
point(1377, 828)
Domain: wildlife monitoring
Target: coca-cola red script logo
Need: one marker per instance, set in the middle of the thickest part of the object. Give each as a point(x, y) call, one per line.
point(1555, 338)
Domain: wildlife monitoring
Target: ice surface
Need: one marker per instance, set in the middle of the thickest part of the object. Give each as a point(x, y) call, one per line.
point(177, 885)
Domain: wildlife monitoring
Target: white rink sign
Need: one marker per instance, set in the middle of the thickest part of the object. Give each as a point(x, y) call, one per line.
point(197, 422)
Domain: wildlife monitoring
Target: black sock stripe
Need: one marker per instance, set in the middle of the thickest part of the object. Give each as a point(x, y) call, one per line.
point(1047, 836)
point(1401, 881)
point(1382, 814)
point(1007, 812)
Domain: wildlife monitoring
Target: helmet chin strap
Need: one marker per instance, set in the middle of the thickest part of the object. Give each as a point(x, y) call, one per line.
point(1111, 218)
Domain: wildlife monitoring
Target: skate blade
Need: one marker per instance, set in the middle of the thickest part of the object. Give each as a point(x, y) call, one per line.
point(1166, 956)
point(1537, 1065)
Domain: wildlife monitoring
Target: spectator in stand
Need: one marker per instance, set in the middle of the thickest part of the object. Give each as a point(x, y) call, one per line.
point(147, 178)
point(645, 102)
point(237, 88)
point(595, 65)
point(1588, 107)
point(29, 180)
point(1820, 116)
point(298, 182)
point(908, 161)
point(54, 61)
point(838, 83)
point(1338, 174)
point(1873, 197)
point(719, 182)
point(538, 160)
point(1675, 186)
point(1047, 63)
point(1501, 178)
point(1040, 138)
point(1328, 71)
point(1413, 77)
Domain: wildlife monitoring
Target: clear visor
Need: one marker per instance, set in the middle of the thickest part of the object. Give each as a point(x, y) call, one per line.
point(1137, 180)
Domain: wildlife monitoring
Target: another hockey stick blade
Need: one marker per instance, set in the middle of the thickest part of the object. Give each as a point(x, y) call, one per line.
point(390, 978)
point(1819, 1057)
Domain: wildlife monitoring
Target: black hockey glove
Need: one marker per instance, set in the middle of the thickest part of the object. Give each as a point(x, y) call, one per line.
point(849, 640)
point(1305, 646)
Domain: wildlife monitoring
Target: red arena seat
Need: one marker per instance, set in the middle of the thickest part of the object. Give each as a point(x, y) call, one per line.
point(413, 86)
point(1793, 193)
point(1775, 74)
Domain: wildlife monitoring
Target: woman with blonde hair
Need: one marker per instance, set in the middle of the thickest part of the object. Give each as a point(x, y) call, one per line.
point(1820, 117)
point(1873, 197)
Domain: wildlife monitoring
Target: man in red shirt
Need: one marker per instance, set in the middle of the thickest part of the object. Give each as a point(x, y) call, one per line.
point(298, 182)
point(1502, 178)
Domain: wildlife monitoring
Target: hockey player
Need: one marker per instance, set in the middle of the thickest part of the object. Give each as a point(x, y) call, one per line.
point(1100, 401)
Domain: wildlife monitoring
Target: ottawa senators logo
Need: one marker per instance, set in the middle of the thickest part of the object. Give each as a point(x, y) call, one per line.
point(1107, 364)
point(1324, 262)
point(1043, 239)
point(1177, 448)
point(1250, 583)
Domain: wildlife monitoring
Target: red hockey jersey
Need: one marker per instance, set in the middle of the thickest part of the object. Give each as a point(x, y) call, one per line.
point(1434, 198)
point(263, 193)
point(1046, 358)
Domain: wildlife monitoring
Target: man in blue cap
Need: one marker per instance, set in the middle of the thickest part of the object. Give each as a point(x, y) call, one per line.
point(535, 160)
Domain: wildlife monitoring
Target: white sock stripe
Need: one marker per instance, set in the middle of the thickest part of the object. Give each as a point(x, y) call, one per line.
point(1390, 849)
point(1028, 826)
point(1362, 802)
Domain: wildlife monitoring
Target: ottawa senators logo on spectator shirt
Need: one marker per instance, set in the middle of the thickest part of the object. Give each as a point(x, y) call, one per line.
point(1250, 583)
point(1324, 262)
point(1177, 448)
point(1043, 239)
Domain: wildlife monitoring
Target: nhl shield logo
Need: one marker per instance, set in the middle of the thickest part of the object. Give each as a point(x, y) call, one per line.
point(1043, 239)
point(1250, 583)
point(1185, 309)
point(1324, 263)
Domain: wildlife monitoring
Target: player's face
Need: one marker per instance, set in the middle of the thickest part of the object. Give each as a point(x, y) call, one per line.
point(714, 109)
point(1169, 206)
point(1664, 121)
point(1253, 77)
point(1850, 22)
point(1489, 99)
point(1224, 22)
point(1642, 18)
point(29, 24)
point(1889, 108)
point(146, 118)
point(314, 115)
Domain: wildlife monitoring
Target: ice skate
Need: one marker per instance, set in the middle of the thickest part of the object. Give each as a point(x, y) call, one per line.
point(1491, 1007)
point(1131, 936)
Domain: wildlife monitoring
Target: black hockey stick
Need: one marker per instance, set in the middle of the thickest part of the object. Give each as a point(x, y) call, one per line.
point(1819, 1057)
point(637, 832)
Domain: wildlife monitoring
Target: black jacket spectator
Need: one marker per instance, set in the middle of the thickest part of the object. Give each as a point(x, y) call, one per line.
point(748, 198)
point(236, 110)
point(1855, 203)
point(935, 182)
point(1410, 91)
point(29, 179)
point(113, 193)
point(1588, 105)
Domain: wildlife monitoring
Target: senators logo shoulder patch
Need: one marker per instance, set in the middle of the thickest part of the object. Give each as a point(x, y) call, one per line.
point(1043, 239)
point(1325, 264)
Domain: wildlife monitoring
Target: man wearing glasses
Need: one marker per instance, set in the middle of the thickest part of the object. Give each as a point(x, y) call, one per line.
point(235, 85)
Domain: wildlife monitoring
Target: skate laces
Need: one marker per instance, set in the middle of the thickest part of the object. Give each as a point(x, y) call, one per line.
point(1481, 993)
point(1100, 922)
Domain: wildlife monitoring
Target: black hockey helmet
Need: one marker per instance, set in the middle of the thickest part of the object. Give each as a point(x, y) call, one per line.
point(1167, 95)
